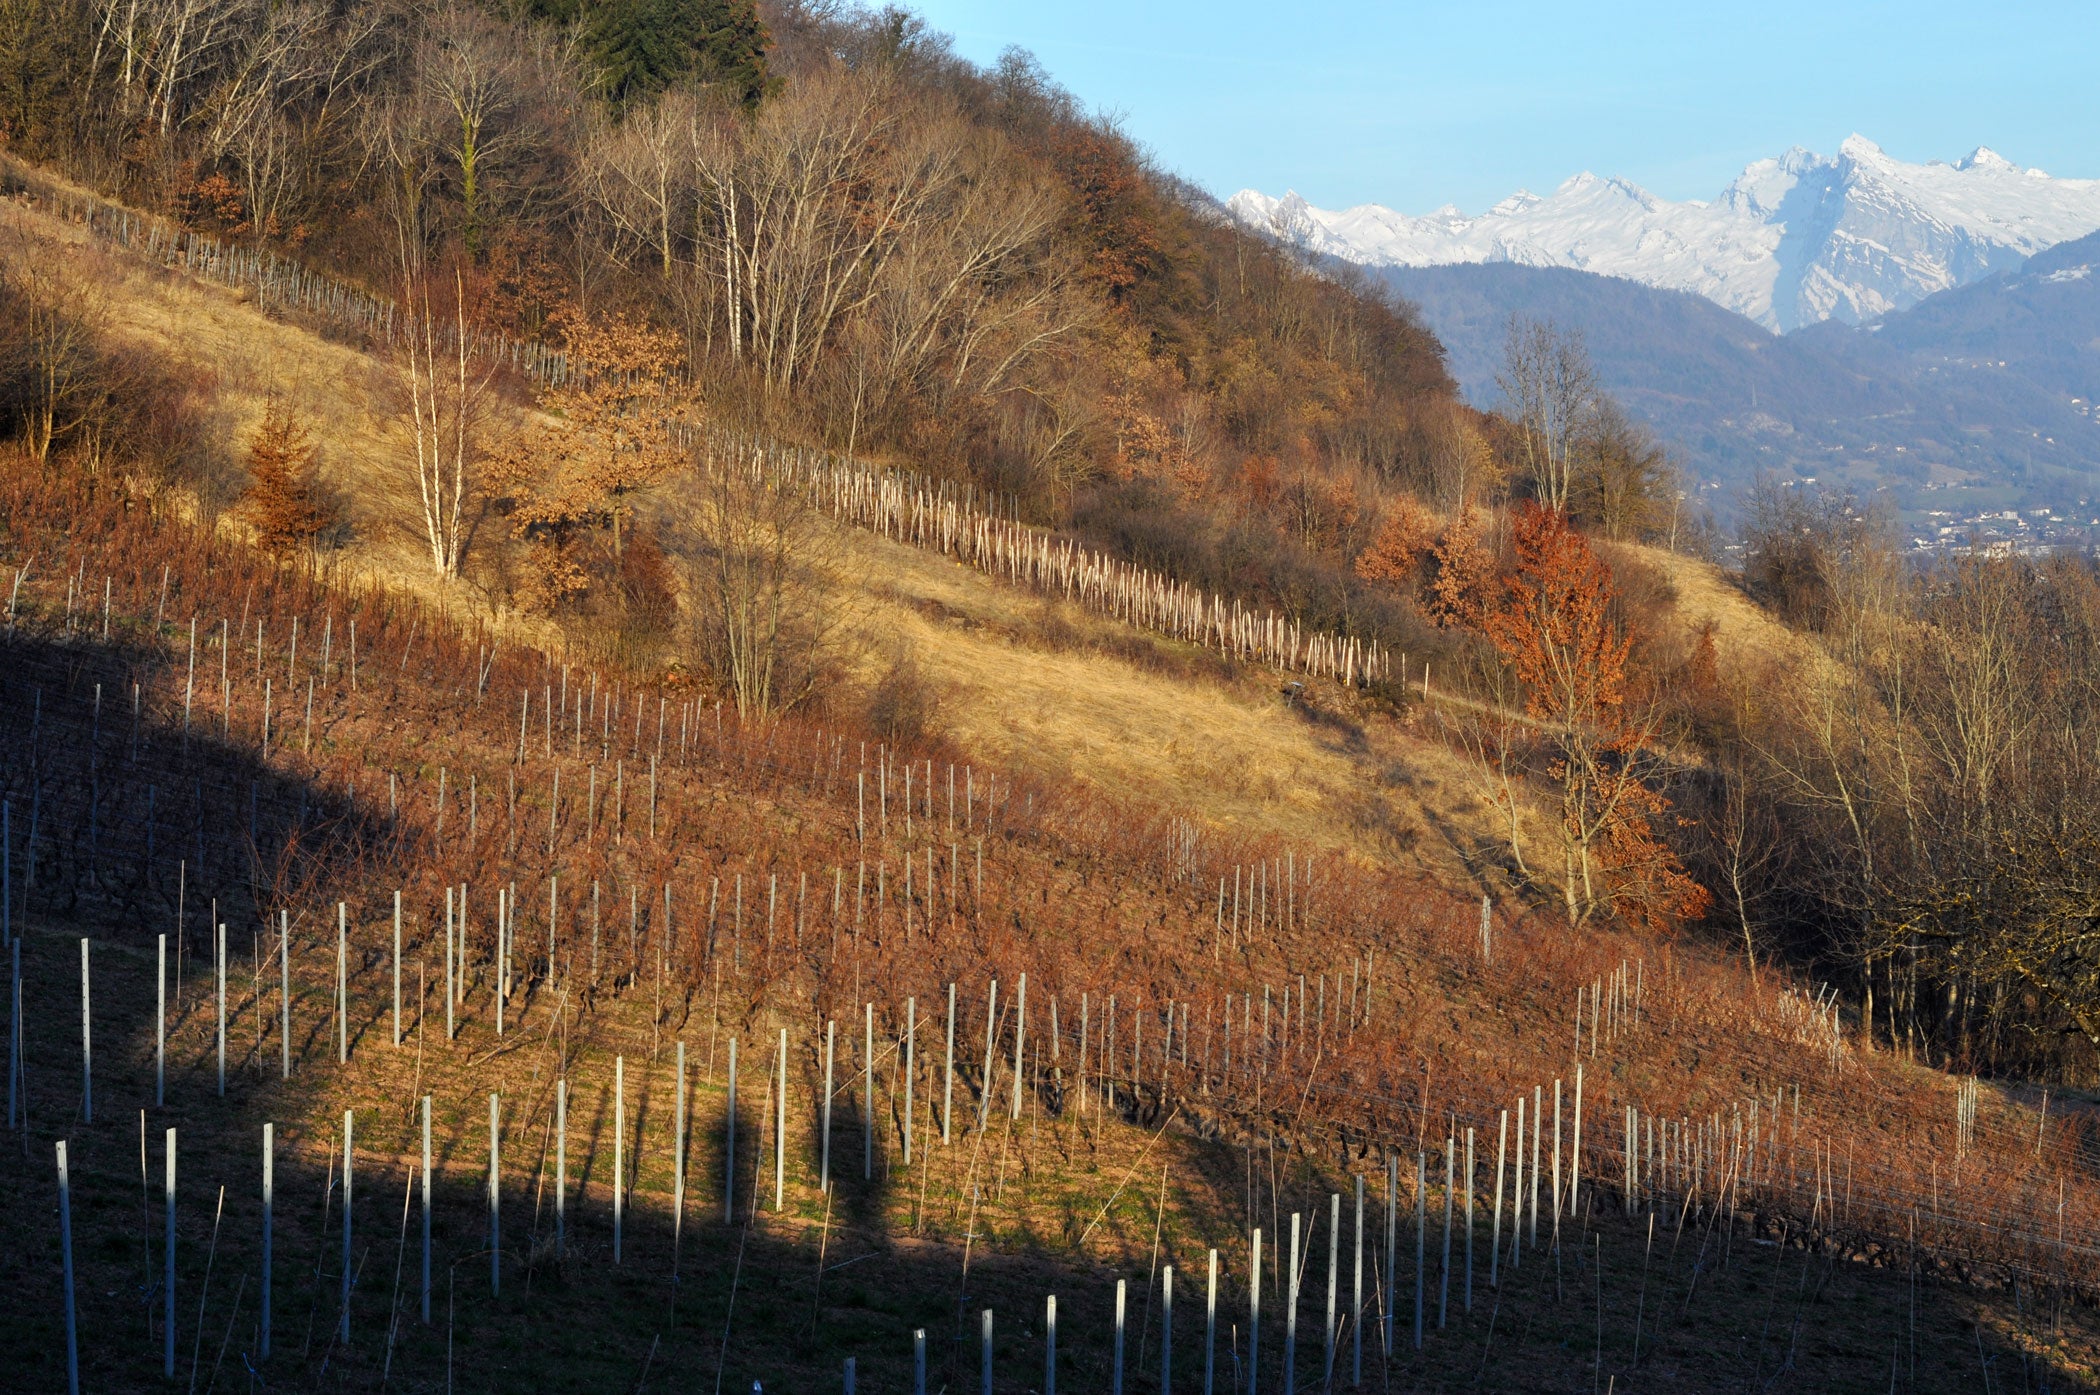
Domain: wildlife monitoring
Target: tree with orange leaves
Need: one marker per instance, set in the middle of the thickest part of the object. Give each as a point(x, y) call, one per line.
point(604, 441)
point(1553, 625)
point(1464, 568)
point(1403, 540)
point(1110, 220)
point(284, 502)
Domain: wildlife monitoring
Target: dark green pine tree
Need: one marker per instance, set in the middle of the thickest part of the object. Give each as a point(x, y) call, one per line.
point(644, 46)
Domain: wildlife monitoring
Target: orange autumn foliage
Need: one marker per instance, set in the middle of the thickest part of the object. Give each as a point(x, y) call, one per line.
point(1553, 625)
point(1464, 567)
point(1403, 542)
point(282, 499)
point(1112, 220)
point(564, 480)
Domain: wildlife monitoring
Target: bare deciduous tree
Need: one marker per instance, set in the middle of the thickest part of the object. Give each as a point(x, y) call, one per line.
point(472, 71)
point(1552, 391)
point(850, 202)
point(59, 366)
point(640, 173)
point(758, 578)
point(447, 395)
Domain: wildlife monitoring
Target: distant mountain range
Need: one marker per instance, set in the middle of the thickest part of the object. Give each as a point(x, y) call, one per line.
point(1938, 326)
point(1793, 241)
point(1985, 391)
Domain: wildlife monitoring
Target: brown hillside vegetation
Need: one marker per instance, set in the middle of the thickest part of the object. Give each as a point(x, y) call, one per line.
point(1259, 1049)
point(1034, 684)
point(408, 565)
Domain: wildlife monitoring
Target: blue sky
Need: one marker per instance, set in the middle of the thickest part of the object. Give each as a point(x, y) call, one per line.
point(1416, 105)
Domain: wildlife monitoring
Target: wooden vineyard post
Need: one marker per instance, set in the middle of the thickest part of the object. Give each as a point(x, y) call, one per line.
point(1334, 1240)
point(87, 1051)
point(1495, 1237)
point(1116, 1382)
point(680, 1108)
point(1166, 1328)
point(160, 1027)
point(426, 1212)
point(948, 1080)
point(1294, 1270)
point(342, 987)
point(269, 1207)
point(911, 1032)
point(1392, 1246)
point(619, 1150)
point(991, 1022)
point(1443, 1300)
point(1516, 1215)
point(1631, 1125)
point(1469, 1218)
point(17, 1080)
point(349, 1151)
point(1557, 1199)
point(729, 1144)
point(495, 1199)
point(831, 1041)
point(65, 1246)
point(397, 970)
point(168, 1257)
point(1538, 1097)
point(1356, 1292)
point(1020, 1028)
point(219, 980)
point(561, 1166)
point(1254, 1313)
point(1085, 1030)
point(451, 972)
point(1210, 1324)
point(1421, 1226)
point(500, 987)
point(1575, 1150)
point(867, 1099)
point(780, 1120)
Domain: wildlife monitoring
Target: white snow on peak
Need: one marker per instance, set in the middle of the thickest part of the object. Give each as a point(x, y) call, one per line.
point(1792, 240)
point(1858, 147)
point(1983, 157)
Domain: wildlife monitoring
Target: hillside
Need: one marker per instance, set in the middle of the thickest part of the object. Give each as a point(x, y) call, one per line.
point(1794, 240)
point(1036, 684)
point(1908, 405)
point(2037, 321)
point(1159, 840)
point(1036, 314)
point(821, 714)
point(1766, 1125)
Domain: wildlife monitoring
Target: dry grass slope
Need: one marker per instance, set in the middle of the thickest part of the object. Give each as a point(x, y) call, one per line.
point(1032, 684)
point(1078, 891)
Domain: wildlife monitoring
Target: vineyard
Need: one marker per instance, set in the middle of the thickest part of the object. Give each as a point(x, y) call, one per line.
point(700, 1053)
point(896, 504)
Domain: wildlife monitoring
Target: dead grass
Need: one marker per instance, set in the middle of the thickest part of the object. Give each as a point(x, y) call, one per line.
point(243, 359)
point(1053, 690)
point(1061, 1201)
point(1035, 685)
point(1745, 636)
point(1077, 900)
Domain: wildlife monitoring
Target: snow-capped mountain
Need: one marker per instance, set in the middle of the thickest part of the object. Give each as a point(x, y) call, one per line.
point(1792, 241)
